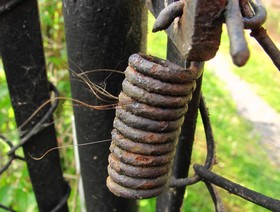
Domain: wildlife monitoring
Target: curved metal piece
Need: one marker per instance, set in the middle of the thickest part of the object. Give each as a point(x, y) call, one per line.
point(130, 193)
point(141, 148)
point(259, 17)
point(167, 16)
point(156, 86)
point(210, 158)
point(155, 99)
point(148, 111)
point(146, 124)
point(241, 191)
point(11, 157)
point(137, 183)
point(145, 136)
point(162, 69)
point(261, 35)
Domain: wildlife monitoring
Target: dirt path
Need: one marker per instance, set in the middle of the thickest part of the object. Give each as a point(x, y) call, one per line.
point(265, 120)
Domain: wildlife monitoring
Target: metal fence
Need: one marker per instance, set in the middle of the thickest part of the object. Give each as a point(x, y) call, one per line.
point(102, 35)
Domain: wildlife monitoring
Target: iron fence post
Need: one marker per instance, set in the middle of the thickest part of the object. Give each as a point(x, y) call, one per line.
point(23, 58)
point(100, 35)
point(172, 200)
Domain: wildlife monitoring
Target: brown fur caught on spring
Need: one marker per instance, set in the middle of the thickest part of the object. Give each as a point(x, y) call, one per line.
point(148, 122)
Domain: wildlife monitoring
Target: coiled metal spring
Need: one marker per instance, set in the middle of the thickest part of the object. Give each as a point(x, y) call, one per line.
point(152, 104)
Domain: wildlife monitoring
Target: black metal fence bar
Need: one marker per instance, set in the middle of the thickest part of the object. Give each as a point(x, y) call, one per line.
point(173, 200)
point(100, 35)
point(23, 59)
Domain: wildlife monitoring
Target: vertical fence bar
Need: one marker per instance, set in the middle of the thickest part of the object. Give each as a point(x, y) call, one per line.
point(100, 35)
point(172, 200)
point(23, 59)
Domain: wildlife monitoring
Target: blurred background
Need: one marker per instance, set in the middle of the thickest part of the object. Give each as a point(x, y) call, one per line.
point(247, 148)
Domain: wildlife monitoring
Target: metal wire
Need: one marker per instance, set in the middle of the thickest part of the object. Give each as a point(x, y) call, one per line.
point(9, 6)
point(248, 194)
point(40, 124)
point(6, 208)
point(210, 158)
point(63, 200)
point(11, 157)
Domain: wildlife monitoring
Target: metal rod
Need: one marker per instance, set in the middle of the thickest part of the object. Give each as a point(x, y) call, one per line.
point(172, 200)
point(238, 47)
point(260, 34)
point(268, 45)
point(167, 16)
point(100, 35)
point(241, 191)
point(216, 198)
point(23, 58)
point(210, 158)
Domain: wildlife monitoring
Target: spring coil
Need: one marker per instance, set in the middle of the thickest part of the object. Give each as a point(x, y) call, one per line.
point(152, 104)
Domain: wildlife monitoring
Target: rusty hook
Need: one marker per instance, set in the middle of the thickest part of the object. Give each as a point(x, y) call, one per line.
point(259, 17)
point(167, 16)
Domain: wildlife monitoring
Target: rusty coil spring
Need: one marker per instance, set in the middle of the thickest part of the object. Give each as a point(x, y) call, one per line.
point(152, 104)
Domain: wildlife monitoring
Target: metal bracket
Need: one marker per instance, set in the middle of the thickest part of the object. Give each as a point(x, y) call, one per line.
point(197, 32)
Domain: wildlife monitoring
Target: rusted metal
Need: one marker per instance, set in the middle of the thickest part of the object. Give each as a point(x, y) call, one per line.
point(155, 99)
point(147, 125)
point(210, 143)
point(258, 19)
point(141, 148)
point(167, 16)
point(152, 85)
point(238, 46)
point(147, 111)
point(258, 32)
point(144, 136)
point(268, 45)
point(160, 69)
point(129, 193)
point(137, 183)
point(137, 171)
point(196, 33)
point(139, 159)
point(236, 189)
